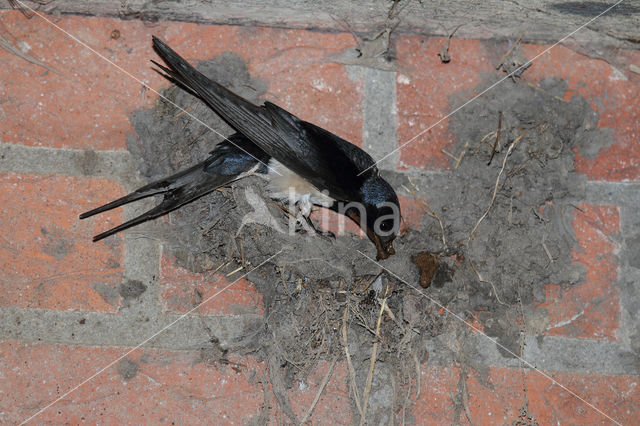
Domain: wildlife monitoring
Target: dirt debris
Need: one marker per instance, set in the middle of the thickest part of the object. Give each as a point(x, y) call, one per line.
point(428, 264)
point(514, 63)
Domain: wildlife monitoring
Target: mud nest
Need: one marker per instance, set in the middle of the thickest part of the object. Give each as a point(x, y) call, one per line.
point(500, 230)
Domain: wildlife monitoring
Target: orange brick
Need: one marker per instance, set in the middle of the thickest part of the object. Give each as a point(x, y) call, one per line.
point(91, 109)
point(293, 62)
point(498, 398)
point(47, 259)
point(183, 290)
point(616, 396)
point(613, 94)
point(333, 407)
point(434, 405)
point(413, 213)
point(423, 89)
point(303, 80)
point(149, 387)
point(339, 224)
point(590, 309)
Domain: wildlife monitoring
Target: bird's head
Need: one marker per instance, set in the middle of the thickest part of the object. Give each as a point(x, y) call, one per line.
point(378, 215)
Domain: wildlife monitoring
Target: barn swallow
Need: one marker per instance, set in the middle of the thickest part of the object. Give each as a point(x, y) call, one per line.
point(303, 162)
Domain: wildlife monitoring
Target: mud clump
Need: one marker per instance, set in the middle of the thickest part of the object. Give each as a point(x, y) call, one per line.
point(323, 298)
point(428, 265)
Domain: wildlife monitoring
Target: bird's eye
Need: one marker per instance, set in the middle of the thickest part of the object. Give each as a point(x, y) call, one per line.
point(386, 225)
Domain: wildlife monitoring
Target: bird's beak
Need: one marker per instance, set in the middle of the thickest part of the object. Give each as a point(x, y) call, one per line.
point(384, 250)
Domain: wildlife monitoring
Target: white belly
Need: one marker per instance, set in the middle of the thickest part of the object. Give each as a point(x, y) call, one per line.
point(286, 185)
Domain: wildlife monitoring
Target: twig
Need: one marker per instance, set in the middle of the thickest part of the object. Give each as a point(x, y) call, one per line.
point(547, 92)
point(370, 283)
point(406, 401)
point(495, 144)
point(183, 111)
point(444, 52)
point(418, 384)
point(430, 211)
point(465, 398)
point(6, 45)
point(509, 51)
point(482, 280)
point(417, 363)
point(27, 13)
point(495, 187)
point(239, 268)
point(374, 353)
point(284, 282)
point(212, 273)
point(546, 250)
point(510, 216)
point(458, 159)
point(322, 386)
point(352, 372)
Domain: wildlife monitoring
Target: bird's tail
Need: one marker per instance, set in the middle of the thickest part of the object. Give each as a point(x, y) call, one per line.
point(226, 164)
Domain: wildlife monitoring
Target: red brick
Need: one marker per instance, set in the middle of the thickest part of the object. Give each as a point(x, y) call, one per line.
point(589, 309)
point(179, 291)
point(91, 109)
point(167, 386)
point(499, 399)
point(616, 396)
point(413, 212)
point(333, 407)
point(303, 79)
point(424, 85)
point(434, 405)
point(612, 92)
point(339, 224)
point(295, 64)
point(47, 259)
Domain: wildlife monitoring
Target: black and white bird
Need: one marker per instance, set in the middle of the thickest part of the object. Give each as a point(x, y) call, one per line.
point(304, 163)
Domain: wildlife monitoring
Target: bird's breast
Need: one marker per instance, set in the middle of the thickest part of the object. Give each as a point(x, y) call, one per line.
point(284, 184)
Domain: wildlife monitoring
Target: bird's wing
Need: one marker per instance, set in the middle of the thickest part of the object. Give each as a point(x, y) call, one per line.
point(323, 159)
point(226, 164)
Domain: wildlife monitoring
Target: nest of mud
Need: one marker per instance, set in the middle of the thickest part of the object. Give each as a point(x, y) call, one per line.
point(499, 230)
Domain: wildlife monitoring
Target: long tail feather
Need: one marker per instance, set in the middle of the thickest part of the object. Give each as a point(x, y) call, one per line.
point(226, 164)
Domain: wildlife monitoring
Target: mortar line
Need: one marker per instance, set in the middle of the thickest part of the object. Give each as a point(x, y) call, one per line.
point(476, 329)
point(526, 64)
point(147, 339)
point(85, 45)
point(114, 164)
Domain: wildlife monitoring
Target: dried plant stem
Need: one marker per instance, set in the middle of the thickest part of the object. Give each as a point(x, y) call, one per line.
point(430, 211)
point(495, 187)
point(374, 353)
point(320, 390)
point(352, 372)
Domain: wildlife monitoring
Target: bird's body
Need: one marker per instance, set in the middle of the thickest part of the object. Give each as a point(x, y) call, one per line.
point(304, 163)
